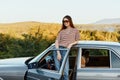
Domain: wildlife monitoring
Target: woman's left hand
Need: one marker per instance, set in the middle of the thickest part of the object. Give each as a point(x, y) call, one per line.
point(69, 46)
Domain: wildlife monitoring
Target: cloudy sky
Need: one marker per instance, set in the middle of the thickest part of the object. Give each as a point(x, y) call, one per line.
point(82, 11)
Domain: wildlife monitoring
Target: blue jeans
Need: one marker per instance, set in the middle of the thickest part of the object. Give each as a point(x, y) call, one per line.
point(58, 63)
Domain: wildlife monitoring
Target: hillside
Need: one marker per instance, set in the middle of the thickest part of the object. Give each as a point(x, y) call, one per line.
point(16, 29)
point(19, 27)
point(109, 21)
point(31, 38)
point(99, 27)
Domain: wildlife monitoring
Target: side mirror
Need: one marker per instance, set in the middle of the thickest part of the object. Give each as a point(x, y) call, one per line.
point(33, 65)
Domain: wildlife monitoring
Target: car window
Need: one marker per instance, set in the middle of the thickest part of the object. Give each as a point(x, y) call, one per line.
point(95, 58)
point(73, 52)
point(48, 60)
point(115, 60)
point(72, 60)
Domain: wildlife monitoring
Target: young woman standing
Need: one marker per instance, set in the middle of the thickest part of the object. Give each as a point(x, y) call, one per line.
point(67, 37)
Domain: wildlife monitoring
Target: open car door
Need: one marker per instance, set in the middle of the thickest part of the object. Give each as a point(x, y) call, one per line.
point(43, 66)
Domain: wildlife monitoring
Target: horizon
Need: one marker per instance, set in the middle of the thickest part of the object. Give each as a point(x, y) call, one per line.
point(96, 22)
point(81, 11)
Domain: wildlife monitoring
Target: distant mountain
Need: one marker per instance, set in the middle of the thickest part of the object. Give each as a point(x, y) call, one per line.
point(108, 21)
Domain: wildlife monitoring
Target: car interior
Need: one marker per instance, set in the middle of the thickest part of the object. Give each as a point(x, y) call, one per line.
point(47, 62)
point(96, 58)
point(93, 58)
point(72, 62)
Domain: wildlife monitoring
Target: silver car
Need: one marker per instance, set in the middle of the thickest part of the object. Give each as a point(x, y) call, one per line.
point(88, 60)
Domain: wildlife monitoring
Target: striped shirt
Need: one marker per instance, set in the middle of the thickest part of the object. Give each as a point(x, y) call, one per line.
point(67, 36)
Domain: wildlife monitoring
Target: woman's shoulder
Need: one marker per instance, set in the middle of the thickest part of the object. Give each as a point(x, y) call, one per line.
point(62, 31)
point(75, 29)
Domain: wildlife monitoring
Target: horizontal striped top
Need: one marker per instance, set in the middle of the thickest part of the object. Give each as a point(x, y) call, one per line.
point(68, 36)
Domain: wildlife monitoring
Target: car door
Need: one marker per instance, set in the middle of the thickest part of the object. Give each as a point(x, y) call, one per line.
point(107, 67)
point(43, 67)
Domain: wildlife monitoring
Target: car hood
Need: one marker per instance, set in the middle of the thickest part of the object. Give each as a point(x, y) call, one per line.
point(14, 61)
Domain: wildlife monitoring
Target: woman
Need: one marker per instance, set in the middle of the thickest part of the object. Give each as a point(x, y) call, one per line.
point(67, 37)
point(84, 58)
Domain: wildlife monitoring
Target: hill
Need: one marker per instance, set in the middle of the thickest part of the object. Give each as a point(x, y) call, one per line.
point(19, 27)
point(109, 21)
point(16, 29)
point(31, 38)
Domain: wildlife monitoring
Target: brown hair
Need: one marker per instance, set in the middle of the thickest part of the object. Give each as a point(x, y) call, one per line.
point(70, 20)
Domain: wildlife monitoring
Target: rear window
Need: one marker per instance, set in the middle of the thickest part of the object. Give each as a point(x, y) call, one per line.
point(95, 58)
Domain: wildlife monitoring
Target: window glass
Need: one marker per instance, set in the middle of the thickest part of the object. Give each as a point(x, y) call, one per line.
point(73, 51)
point(115, 60)
point(98, 52)
point(48, 60)
point(95, 58)
point(72, 60)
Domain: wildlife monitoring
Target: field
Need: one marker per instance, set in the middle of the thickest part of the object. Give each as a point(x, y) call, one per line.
point(31, 38)
point(51, 29)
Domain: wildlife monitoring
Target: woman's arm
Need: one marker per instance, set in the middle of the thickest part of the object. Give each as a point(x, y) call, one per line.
point(70, 45)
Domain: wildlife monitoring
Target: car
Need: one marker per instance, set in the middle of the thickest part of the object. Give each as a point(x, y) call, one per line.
point(88, 60)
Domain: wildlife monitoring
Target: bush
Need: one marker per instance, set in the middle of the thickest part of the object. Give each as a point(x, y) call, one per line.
point(35, 42)
point(29, 46)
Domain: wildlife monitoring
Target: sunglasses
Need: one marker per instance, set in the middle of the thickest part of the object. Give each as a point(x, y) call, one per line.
point(65, 21)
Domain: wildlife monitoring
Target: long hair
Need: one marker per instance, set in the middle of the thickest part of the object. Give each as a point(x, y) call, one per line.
point(70, 20)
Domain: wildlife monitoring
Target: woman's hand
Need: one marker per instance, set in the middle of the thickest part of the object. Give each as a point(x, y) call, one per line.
point(69, 46)
point(58, 56)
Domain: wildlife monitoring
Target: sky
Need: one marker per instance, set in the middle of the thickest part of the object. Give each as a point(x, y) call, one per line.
point(81, 11)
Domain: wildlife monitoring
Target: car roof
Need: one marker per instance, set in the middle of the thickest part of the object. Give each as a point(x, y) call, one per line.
point(100, 43)
point(97, 43)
